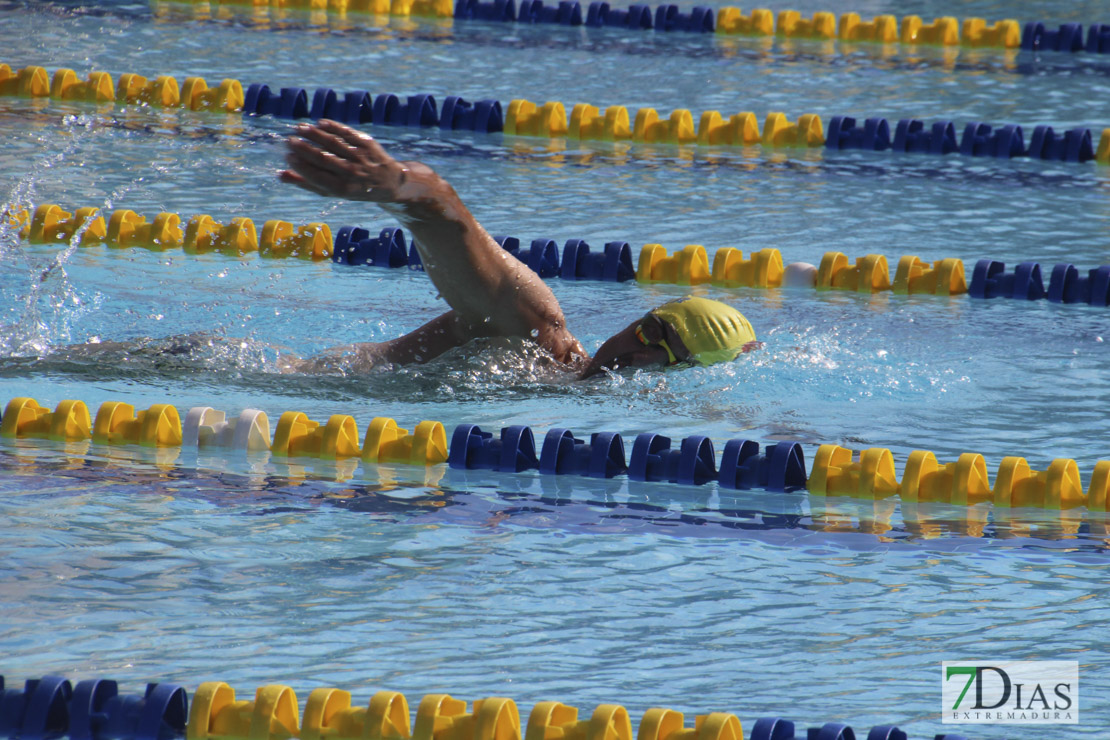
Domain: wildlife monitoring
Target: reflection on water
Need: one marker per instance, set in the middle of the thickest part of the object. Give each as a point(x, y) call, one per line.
point(259, 483)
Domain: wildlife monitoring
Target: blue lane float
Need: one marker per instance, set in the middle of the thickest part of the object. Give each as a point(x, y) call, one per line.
point(602, 456)
point(99, 712)
point(1068, 285)
point(1098, 39)
point(602, 15)
point(613, 264)
point(416, 111)
point(289, 102)
point(776, 728)
point(484, 116)
point(1075, 145)
point(888, 732)
point(653, 459)
point(360, 107)
point(1036, 36)
point(542, 255)
point(474, 10)
point(39, 712)
point(980, 140)
point(566, 13)
point(990, 280)
point(873, 135)
point(354, 246)
point(911, 136)
point(514, 450)
point(700, 19)
point(356, 107)
point(780, 468)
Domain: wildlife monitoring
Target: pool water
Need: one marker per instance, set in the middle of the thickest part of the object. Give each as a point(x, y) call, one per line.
point(189, 567)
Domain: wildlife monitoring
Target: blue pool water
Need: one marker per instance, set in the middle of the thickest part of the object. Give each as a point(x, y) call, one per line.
point(190, 567)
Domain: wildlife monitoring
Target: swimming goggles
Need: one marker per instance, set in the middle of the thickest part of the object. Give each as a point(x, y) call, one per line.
point(661, 342)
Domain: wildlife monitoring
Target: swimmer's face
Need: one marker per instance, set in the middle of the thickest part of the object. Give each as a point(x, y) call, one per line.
point(643, 343)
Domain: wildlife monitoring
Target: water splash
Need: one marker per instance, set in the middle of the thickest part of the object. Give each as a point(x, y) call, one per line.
point(52, 303)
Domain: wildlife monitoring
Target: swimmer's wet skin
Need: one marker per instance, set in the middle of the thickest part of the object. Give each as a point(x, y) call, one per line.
point(491, 293)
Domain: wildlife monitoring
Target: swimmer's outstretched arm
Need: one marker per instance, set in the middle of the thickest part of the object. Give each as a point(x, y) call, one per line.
point(491, 292)
point(420, 345)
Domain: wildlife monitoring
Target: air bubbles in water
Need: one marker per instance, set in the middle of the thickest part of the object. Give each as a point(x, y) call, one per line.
point(77, 120)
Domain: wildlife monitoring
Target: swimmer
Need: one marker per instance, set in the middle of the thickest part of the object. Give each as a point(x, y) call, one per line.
point(490, 292)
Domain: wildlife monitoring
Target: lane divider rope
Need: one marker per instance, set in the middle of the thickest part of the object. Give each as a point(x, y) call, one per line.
point(585, 122)
point(972, 32)
point(95, 710)
point(743, 464)
point(690, 265)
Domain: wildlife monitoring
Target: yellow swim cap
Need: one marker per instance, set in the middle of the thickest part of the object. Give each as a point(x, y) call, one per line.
point(712, 331)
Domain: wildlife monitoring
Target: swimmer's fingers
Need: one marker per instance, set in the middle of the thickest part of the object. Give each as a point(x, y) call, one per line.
point(304, 151)
point(328, 175)
point(327, 140)
point(333, 159)
point(380, 176)
point(318, 174)
point(355, 139)
point(292, 178)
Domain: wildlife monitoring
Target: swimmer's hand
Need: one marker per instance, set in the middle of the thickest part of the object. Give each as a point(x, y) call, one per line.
point(331, 159)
